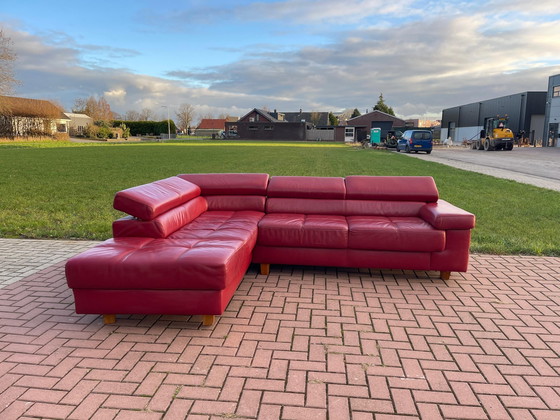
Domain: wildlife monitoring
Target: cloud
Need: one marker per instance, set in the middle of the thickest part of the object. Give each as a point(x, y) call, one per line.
point(442, 61)
point(421, 64)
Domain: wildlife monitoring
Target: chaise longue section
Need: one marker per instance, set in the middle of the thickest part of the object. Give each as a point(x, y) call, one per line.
point(178, 252)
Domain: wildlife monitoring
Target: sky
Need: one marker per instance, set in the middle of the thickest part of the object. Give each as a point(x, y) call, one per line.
point(228, 57)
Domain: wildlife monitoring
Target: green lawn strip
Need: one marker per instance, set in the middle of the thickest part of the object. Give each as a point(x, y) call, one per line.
point(65, 190)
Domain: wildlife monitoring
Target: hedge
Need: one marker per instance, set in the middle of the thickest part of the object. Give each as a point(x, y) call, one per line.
point(140, 128)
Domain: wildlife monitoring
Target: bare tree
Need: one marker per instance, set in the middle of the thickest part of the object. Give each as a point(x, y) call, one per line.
point(147, 115)
point(7, 58)
point(132, 116)
point(315, 118)
point(79, 106)
point(185, 116)
point(97, 109)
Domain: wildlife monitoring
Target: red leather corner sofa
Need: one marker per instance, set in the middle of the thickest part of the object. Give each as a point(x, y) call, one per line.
point(189, 239)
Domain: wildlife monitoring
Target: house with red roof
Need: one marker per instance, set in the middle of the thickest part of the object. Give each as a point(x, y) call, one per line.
point(209, 126)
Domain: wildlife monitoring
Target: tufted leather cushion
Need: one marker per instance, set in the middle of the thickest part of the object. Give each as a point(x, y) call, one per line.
point(208, 254)
point(148, 201)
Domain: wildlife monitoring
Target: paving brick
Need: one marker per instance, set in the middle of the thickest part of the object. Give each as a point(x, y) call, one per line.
point(296, 413)
point(56, 411)
point(249, 403)
point(88, 406)
point(341, 343)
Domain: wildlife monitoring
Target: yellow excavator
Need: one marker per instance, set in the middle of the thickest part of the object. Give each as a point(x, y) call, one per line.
point(495, 135)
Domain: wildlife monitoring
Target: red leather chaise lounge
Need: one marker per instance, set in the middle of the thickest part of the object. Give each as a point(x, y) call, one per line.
point(189, 239)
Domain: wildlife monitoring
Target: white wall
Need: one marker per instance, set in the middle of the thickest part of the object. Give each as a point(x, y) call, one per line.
point(466, 133)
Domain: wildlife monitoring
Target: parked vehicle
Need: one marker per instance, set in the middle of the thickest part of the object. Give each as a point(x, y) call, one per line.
point(495, 136)
point(416, 141)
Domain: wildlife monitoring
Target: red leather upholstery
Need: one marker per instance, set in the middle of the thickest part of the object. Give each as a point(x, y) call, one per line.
point(396, 188)
point(236, 202)
point(443, 215)
point(306, 187)
point(163, 225)
point(299, 230)
point(207, 255)
point(199, 233)
point(229, 184)
point(305, 206)
point(343, 207)
point(382, 233)
point(150, 200)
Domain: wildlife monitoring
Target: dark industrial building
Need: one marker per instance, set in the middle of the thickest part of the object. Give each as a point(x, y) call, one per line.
point(552, 117)
point(525, 112)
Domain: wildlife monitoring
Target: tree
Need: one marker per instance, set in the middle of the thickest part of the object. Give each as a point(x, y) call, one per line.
point(185, 116)
point(315, 118)
point(355, 113)
point(383, 107)
point(332, 119)
point(97, 109)
point(147, 115)
point(132, 116)
point(7, 58)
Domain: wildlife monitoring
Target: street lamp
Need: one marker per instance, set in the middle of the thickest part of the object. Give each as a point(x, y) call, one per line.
point(168, 123)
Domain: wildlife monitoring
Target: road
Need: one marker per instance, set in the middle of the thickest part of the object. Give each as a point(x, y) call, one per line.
point(539, 166)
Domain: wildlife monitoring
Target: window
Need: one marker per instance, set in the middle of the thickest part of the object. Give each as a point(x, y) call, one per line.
point(556, 91)
point(253, 127)
point(251, 119)
point(268, 127)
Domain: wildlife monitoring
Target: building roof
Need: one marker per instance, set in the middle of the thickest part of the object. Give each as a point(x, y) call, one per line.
point(33, 108)
point(265, 114)
point(74, 115)
point(212, 124)
point(375, 116)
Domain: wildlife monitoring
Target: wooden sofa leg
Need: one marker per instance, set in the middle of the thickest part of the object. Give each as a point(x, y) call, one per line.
point(109, 319)
point(208, 320)
point(444, 275)
point(265, 269)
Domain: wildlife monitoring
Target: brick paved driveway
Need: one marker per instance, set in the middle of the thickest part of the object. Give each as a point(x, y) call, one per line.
point(308, 343)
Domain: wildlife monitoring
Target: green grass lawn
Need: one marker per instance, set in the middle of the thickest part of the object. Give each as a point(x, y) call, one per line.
point(65, 190)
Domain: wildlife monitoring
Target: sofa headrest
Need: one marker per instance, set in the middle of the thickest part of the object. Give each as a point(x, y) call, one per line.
point(306, 187)
point(148, 201)
point(395, 188)
point(229, 184)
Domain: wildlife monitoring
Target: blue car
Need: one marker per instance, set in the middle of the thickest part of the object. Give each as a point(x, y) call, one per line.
point(416, 141)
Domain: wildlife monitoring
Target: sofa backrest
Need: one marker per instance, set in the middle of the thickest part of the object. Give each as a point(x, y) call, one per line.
point(231, 192)
point(163, 225)
point(391, 188)
point(353, 195)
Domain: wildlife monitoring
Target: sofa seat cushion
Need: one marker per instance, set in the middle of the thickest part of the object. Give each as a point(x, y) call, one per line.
point(208, 254)
point(393, 234)
point(301, 230)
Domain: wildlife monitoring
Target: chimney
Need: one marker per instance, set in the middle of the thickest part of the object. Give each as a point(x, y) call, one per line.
point(300, 110)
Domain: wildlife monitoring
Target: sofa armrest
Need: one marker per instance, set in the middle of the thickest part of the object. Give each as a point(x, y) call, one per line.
point(443, 215)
